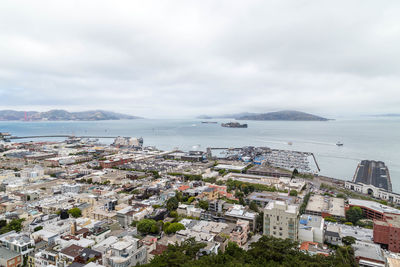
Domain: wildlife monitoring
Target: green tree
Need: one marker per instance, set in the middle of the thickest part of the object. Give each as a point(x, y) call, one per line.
point(203, 204)
point(348, 240)
point(253, 206)
point(304, 204)
point(75, 212)
point(13, 225)
point(260, 221)
point(38, 228)
point(293, 193)
point(354, 214)
point(173, 214)
point(146, 226)
point(330, 219)
point(241, 201)
point(174, 227)
point(172, 204)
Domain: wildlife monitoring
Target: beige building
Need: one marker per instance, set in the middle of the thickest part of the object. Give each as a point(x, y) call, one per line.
point(281, 220)
point(325, 206)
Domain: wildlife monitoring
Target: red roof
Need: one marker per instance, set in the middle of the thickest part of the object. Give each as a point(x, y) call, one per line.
point(159, 249)
point(183, 187)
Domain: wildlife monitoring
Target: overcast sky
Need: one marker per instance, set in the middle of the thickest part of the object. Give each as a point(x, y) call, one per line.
point(186, 58)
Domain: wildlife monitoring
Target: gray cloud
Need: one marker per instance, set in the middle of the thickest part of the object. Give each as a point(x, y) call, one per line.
point(184, 58)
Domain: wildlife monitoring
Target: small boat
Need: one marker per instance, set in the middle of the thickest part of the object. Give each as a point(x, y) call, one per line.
point(339, 143)
point(290, 143)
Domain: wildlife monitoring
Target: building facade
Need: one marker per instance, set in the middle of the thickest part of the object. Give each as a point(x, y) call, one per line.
point(281, 220)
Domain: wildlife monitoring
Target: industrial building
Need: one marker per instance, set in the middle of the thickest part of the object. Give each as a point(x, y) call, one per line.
point(371, 209)
point(374, 173)
point(387, 232)
point(326, 206)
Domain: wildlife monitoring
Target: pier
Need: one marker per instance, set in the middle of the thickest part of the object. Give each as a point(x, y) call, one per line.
point(9, 137)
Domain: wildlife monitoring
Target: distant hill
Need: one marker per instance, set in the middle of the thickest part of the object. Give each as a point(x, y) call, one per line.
point(285, 115)
point(386, 115)
point(63, 115)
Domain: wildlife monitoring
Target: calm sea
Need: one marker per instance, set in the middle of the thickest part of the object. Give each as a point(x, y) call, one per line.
point(376, 139)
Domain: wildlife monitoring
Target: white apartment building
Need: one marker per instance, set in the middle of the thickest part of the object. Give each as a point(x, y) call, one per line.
point(17, 242)
point(31, 173)
point(311, 228)
point(124, 252)
point(281, 220)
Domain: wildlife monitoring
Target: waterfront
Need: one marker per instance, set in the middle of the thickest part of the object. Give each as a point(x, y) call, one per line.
point(363, 139)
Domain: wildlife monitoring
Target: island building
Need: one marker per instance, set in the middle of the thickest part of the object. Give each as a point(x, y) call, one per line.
point(281, 220)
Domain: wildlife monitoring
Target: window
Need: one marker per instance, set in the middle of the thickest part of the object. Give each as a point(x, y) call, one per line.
point(274, 227)
point(274, 233)
point(277, 218)
point(280, 234)
point(280, 228)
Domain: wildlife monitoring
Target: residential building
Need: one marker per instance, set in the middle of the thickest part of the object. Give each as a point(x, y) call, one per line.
point(368, 254)
point(263, 198)
point(20, 243)
point(281, 220)
point(239, 233)
point(9, 258)
point(314, 248)
point(237, 212)
point(311, 228)
point(127, 251)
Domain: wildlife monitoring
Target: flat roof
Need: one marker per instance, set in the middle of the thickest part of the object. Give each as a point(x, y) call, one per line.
point(283, 206)
point(331, 205)
point(7, 254)
point(368, 251)
point(374, 173)
point(373, 206)
point(230, 167)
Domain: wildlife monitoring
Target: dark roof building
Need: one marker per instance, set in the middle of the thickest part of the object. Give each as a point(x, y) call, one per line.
point(374, 173)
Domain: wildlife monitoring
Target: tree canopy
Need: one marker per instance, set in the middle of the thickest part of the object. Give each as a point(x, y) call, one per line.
point(147, 226)
point(354, 214)
point(173, 228)
point(172, 204)
point(268, 251)
point(13, 225)
point(75, 212)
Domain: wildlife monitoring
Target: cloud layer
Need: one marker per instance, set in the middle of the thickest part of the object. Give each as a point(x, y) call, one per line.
point(184, 58)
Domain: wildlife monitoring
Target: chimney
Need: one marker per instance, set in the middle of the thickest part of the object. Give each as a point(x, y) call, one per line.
point(73, 227)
